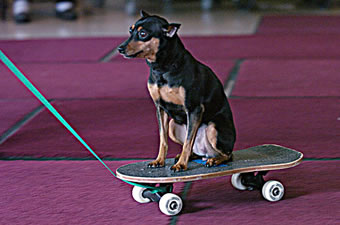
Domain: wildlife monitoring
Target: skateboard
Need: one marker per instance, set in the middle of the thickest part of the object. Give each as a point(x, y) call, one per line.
point(248, 168)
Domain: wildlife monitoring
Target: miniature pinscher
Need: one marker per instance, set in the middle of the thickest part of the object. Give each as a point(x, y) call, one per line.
point(192, 108)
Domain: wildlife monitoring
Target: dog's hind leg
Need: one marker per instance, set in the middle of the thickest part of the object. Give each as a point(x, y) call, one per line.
point(221, 142)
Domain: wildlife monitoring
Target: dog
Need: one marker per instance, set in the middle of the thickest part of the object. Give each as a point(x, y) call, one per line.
point(192, 108)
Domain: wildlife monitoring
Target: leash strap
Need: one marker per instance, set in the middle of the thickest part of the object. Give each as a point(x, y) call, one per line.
point(46, 103)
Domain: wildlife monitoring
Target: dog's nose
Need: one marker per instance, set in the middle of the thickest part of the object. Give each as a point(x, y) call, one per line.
point(121, 49)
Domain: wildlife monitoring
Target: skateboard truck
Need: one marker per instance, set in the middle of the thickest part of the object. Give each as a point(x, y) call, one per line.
point(253, 181)
point(272, 190)
point(169, 203)
point(156, 196)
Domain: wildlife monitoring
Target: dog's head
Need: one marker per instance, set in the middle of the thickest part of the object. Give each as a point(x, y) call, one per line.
point(147, 36)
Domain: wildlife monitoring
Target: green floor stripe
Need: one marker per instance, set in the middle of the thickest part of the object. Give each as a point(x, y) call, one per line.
point(12, 130)
point(183, 194)
point(258, 24)
point(109, 55)
point(230, 83)
point(321, 159)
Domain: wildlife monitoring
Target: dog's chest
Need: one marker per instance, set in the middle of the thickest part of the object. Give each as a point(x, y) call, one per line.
point(175, 95)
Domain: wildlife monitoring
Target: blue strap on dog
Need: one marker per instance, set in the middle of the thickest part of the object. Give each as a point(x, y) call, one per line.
point(46, 103)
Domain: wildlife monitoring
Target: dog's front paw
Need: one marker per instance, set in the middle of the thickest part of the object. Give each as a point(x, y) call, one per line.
point(179, 167)
point(156, 164)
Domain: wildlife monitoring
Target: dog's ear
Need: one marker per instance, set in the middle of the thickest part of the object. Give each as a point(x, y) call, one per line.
point(143, 14)
point(171, 29)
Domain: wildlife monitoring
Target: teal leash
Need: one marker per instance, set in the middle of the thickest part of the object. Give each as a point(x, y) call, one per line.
point(46, 103)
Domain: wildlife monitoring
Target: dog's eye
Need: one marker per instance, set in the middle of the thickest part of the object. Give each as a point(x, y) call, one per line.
point(143, 34)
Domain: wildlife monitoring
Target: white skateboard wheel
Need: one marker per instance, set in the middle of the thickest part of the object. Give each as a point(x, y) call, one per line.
point(236, 182)
point(273, 191)
point(137, 194)
point(170, 204)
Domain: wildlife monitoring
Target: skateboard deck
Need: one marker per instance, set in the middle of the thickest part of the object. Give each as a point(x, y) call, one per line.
point(254, 159)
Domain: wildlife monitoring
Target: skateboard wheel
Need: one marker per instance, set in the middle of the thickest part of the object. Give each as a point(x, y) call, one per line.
point(137, 194)
point(236, 182)
point(170, 204)
point(273, 191)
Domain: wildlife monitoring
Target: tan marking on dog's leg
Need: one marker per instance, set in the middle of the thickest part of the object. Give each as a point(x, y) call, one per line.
point(187, 147)
point(154, 91)
point(212, 138)
point(163, 134)
point(173, 136)
point(192, 128)
point(212, 134)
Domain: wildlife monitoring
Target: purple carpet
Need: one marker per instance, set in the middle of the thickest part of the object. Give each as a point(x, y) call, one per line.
point(59, 50)
point(306, 24)
point(13, 111)
point(308, 125)
point(114, 128)
point(288, 78)
point(311, 197)
point(10, 85)
point(105, 80)
point(125, 79)
point(70, 192)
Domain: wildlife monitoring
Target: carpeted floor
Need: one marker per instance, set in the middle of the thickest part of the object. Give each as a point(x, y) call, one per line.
point(309, 199)
point(115, 128)
point(70, 192)
point(83, 192)
point(310, 125)
point(12, 111)
point(284, 84)
point(59, 50)
point(293, 78)
point(306, 24)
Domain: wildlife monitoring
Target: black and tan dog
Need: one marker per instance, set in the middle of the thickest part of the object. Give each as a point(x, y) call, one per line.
point(183, 90)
